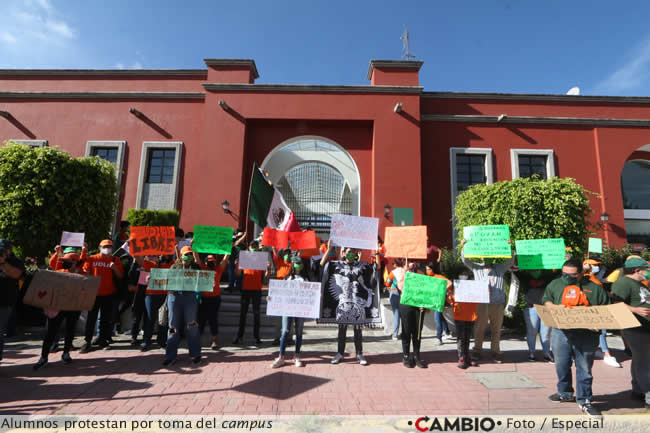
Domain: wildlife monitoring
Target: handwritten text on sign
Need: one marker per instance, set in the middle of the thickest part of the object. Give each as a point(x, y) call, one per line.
point(472, 291)
point(487, 241)
point(424, 291)
point(212, 240)
point(540, 253)
point(407, 241)
point(257, 260)
point(152, 241)
point(614, 316)
point(354, 232)
point(69, 239)
point(293, 298)
point(181, 280)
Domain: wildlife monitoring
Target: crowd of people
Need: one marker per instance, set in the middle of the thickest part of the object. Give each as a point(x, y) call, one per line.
point(351, 286)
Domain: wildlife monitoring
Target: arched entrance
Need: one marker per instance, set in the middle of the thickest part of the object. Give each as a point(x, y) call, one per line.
point(317, 178)
point(635, 187)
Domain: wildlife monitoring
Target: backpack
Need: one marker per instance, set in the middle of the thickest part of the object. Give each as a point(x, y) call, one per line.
point(573, 296)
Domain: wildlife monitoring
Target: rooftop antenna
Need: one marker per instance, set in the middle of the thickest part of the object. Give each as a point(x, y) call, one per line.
point(405, 45)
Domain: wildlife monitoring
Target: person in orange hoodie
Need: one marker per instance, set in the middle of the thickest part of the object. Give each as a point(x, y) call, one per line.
point(251, 293)
point(70, 263)
point(108, 268)
point(464, 316)
point(211, 301)
point(56, 259)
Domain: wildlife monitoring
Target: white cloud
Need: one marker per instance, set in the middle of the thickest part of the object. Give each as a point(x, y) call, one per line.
point(8, 38)
point(632, 75)
point(25, 21)
point(60, 28)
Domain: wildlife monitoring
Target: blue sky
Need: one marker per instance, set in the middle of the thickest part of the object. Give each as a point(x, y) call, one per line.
point(476, 46)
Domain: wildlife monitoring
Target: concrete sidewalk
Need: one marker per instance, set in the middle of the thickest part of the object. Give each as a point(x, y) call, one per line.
point(240, 381)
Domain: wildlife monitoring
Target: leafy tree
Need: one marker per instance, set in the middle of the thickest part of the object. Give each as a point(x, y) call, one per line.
point(44, 191)
point(533, 208)
point(154, 218)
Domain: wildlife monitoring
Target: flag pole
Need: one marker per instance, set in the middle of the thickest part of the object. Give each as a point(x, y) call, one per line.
point(250, 187)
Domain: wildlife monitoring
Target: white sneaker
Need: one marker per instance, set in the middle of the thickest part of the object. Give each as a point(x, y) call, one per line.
point(279, 362)
point(394, 336)
point(298, 362)
point(337, 358)
point(611, 361)
point(437, 342)
point(362, 360)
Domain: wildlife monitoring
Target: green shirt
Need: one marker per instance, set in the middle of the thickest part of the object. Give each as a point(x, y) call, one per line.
point(635, 294)
point(596, 295)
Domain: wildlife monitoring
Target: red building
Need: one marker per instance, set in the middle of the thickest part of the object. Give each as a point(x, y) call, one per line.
point(187, 140)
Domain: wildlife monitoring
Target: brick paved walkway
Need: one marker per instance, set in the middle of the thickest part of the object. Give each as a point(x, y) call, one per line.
point(125, 381)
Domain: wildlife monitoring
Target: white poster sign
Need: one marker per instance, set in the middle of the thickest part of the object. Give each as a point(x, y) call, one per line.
point(471, 291)
point(70, 239)
point(257, 260)
point(354, 231)
point(294, 298)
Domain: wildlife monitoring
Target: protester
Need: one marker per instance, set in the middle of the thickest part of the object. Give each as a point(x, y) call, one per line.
point(631, 289)
point(109, 269)
point(534, 283)
point(442, 328)
point(154, 301)
point(123, 298)
point(12, 270)
point(395, 281)
point(464, 318)
point(487, 270)
point(574, 289)
point(434, 254)
point(121, 237)
point(211, 301)
point(251, 293)
point(183, 309)
point(56, 259)
point(70, 263)
point(297, 273)
point(282, 262)
point(137, 294)
point(235, 279)
point(353, 285)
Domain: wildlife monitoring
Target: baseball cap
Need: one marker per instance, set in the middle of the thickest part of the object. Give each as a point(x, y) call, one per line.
point(296, 259)
point(211, 258)
point(186, 249)
point(592, 262)
point(106, 243)
point(635, 262)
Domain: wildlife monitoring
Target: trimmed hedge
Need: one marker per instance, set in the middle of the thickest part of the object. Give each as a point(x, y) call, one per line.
point(150, 217)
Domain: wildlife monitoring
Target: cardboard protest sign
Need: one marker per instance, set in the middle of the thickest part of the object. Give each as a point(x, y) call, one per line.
point(540, 253)
point(144, 278)
point(309, 253)
point(424, 291)
point(70, 239)
point(613, 316)
point(212, 240)
point(294, 298)
point(402, 216)
point(275, 238)
point(257, 260)
point(181, 280)
point(354, 231)
point(152, 241)
point(62, 291)
point(595, 245)
point(472, 291)
point(410, 242)
point(303, 240)
point(487, 241)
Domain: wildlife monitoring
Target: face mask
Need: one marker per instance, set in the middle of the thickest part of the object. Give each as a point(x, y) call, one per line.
point(595, 269)
point(187, 259)
point(569, 279)
point(647, 275)
point(106, 251)
point(67, 265)
point(350, 257)
point(462, 277)
point(297, 267)
point(286, 258)
point(536, 274)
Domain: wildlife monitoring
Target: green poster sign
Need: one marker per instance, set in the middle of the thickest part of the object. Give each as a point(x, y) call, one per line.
point(595, 245)
point(487, 241)
point(212, 240)
point(540, 253)
point(181, 280)
point(424, 291)
point(403, 216)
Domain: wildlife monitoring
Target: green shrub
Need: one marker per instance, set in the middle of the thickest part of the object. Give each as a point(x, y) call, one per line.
point(150, 217)
point(451, 264)
point(44, 191)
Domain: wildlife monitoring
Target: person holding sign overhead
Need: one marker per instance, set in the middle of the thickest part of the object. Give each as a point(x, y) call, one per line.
point(487, 270)
point(210, 301)
point(464, 318)
point(183, 309)
point(395, 281)
point(251, 293)
point(572, 290)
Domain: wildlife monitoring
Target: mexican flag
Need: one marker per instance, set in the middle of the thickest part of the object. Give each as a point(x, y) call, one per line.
point(267, 207)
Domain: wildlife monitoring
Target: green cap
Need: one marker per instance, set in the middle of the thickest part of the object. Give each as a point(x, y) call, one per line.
point(69, 250)
point(296, 259)
point(635, 262)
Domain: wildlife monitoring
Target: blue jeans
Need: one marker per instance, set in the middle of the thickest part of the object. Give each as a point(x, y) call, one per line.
point(152, 304)
point(441, 324)
point(234, 281)
point(603, 341)
point(579, 345)
point(183, 310)
point(286, 327)
point(394, 303)
point(534, 326)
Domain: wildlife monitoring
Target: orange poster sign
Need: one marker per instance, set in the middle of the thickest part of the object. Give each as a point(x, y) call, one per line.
point(152, 241)
point(406, 241)
point(275, 238)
